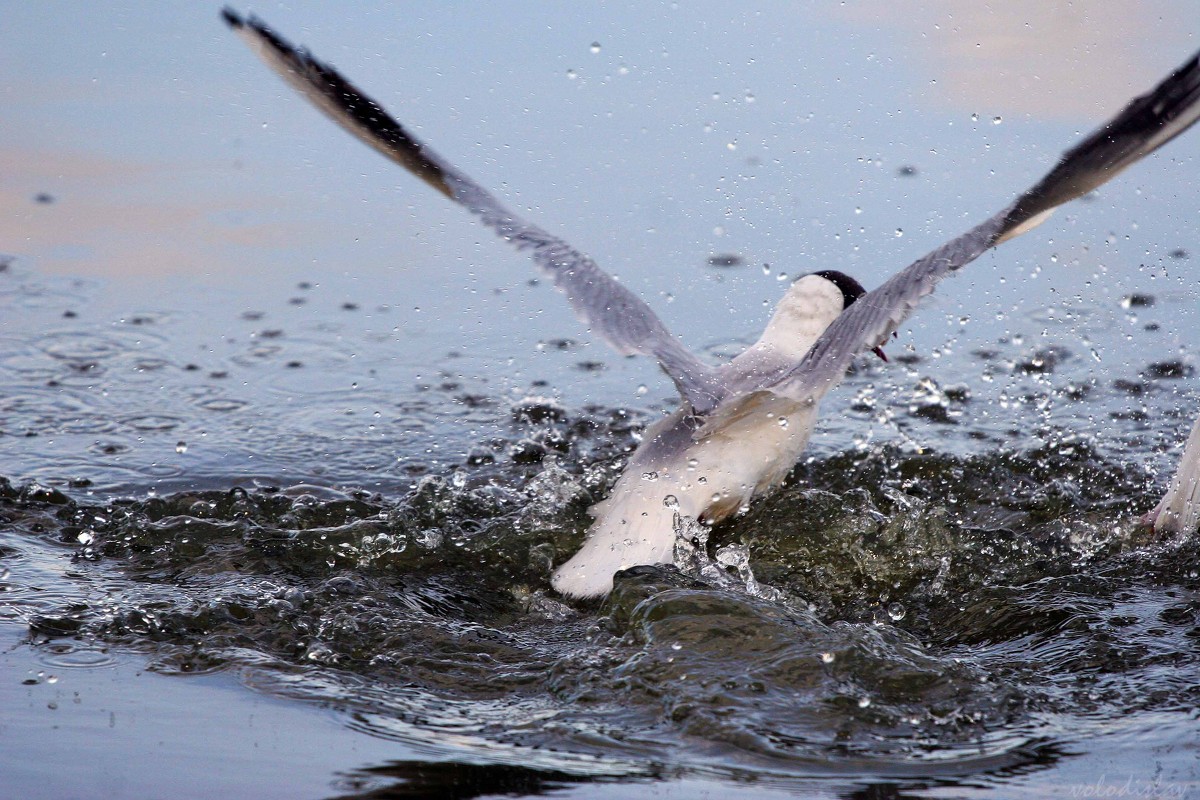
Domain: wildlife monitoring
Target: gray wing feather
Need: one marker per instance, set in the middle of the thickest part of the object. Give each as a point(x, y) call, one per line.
point(1144, 125)
point(609, 309)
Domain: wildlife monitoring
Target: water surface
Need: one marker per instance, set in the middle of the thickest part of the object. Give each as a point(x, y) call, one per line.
point(291, 446)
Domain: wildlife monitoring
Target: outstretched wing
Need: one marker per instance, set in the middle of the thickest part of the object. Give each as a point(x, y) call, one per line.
point(608, 309)
point(1144, 125)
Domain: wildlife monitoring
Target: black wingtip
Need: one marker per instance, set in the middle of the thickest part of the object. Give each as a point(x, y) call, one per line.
point(232, 19)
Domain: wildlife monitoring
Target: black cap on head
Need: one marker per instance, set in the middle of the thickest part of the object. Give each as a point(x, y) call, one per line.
point(851, 289)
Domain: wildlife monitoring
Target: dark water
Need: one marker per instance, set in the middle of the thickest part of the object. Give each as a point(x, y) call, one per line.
point(287, 453)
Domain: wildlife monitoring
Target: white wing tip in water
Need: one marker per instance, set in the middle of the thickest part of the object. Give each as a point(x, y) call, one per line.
point(1179, 510)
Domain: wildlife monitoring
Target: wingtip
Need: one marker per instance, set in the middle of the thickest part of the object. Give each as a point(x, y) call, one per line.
point(232, 18)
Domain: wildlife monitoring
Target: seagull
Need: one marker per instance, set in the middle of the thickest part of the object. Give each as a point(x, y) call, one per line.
point(1179, 510)
point(741, 425)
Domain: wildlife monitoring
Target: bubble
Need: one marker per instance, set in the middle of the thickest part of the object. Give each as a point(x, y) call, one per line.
point(671, 501)
point(896, 611)
point(650, 476)
point(85, 537)
point(863, 702)
point(827, 658)
point(181, 447)
point(899, 232)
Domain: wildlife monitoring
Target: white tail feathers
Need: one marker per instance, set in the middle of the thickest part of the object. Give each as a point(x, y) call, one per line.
point(1179, 510)
point(635, 525)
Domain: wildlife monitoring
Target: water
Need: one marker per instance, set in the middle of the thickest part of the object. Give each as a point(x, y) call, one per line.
point(291, 448)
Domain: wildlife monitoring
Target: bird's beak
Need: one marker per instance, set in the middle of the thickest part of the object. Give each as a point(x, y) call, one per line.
point(879, 352)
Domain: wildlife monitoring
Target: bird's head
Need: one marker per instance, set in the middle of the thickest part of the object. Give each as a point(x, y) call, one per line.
point(851, 291)
point(810, 306)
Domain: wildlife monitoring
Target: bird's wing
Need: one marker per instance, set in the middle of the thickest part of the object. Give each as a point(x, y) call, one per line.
point(1144, 125)
point(609, 309)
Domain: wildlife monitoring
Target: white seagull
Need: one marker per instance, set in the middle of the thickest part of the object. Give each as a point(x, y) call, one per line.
point(743, 424)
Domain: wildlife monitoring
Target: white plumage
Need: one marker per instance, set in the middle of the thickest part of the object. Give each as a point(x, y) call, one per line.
point(1179, 510)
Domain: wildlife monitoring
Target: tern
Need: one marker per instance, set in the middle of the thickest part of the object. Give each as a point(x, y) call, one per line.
point(741, 425)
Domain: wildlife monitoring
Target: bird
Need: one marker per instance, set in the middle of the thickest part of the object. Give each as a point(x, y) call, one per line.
point(1179, 509)
point(741, 425)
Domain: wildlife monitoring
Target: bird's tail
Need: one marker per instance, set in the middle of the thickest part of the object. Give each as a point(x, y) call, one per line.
point(634, 525)
point(1143, 126)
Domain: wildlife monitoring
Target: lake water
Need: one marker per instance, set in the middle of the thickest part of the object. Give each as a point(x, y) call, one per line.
point(290, 445)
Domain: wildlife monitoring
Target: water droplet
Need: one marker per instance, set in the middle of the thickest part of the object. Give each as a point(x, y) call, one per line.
point(731, 145)
point(974, 118)
point(595, 48)
point(671, 501)
point(748, 97)
point(827, 658)
point(86, 537)
point(181, 447)
point(641, 390)
point(650, 476)
point(783, 422)
point(863, 702)
point(572, 75)
point(896, 611)
point(899, 232)
point(997, 120)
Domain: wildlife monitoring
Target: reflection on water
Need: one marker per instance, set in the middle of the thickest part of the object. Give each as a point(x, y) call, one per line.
point(270, 413)
point(1017, 57)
